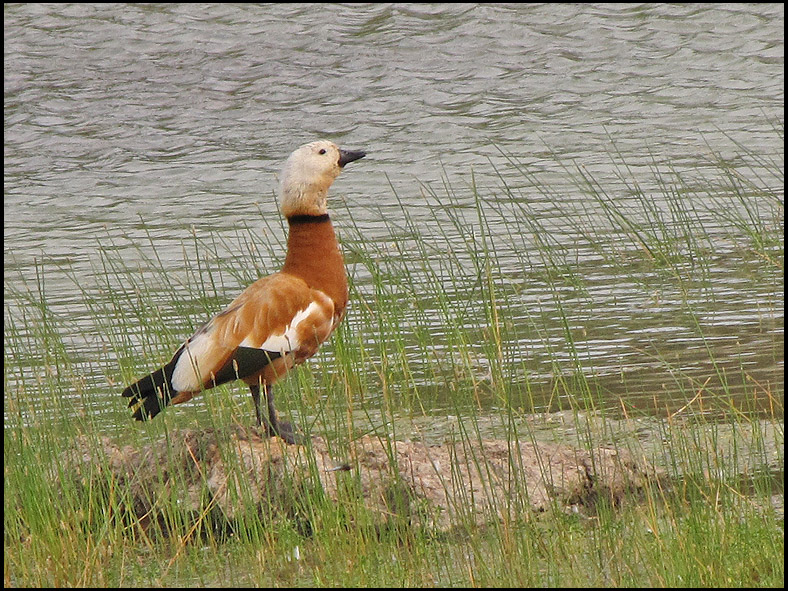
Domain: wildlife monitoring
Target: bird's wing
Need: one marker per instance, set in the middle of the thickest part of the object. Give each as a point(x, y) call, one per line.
point(275, 316)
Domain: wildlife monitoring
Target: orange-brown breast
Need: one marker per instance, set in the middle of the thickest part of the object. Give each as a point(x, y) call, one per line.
point(313, 255)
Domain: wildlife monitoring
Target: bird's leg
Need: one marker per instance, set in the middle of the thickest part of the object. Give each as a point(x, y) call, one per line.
point(287, 431)
point(271, 423)
point(255, 389)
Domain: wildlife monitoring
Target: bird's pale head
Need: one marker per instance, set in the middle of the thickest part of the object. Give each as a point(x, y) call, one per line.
point(308, 173)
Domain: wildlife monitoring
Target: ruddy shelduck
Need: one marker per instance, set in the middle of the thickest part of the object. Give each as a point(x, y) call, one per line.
point(280, 320)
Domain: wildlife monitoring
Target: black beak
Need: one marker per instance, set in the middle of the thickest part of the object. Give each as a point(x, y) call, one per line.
point(346, 156)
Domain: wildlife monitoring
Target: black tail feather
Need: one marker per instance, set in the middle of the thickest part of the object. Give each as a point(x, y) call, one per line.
point(153, 392)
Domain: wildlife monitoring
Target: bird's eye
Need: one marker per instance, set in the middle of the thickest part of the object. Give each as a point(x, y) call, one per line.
point(322, 151)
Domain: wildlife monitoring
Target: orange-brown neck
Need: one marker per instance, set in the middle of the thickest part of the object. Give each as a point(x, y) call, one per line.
point(313, 254)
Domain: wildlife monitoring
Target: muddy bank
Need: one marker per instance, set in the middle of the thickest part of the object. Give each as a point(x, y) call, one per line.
point(235, 470)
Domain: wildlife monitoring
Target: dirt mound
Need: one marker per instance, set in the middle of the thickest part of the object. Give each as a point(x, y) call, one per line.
point(237, 470)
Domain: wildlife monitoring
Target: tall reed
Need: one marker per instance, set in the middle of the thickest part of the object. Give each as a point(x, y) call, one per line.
point(493, 309)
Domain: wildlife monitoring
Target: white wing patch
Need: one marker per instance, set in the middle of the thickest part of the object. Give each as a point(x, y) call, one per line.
point(186, 375)
point(287, 341)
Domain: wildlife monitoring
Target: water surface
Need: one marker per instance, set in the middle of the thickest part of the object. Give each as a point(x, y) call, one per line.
point(130, 124)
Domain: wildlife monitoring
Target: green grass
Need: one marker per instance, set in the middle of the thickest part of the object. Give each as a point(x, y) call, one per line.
point(478, 315)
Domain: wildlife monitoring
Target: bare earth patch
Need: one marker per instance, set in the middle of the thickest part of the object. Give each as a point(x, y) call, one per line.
point(236, 470)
